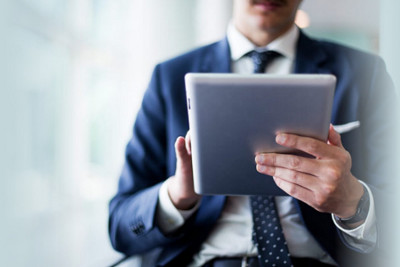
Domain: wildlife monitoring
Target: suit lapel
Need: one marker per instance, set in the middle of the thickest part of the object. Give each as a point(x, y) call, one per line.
point(218, 60)
point(313, 58)
point(309, 57)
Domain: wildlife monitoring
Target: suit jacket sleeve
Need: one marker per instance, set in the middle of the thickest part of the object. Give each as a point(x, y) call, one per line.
point(132, 210)
point(379, 116)
point(150, 159)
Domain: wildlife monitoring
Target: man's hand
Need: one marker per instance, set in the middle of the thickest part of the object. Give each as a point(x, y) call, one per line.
point(324, 182)
point(180, 186)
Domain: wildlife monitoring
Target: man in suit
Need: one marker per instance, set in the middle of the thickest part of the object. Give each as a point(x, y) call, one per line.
point(334, 216)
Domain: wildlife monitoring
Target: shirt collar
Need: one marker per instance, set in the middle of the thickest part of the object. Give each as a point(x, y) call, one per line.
point(240, 45)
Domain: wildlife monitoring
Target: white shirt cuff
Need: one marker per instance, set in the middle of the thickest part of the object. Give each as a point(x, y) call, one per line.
point(363, 237)
point(168, 217)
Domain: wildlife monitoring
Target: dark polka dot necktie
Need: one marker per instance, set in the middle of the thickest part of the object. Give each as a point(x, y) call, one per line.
point(267, 231)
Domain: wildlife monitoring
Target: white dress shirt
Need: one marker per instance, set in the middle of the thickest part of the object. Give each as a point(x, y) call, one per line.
point(232, 234)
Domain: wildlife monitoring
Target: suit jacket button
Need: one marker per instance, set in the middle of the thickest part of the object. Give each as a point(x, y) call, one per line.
point(138, 229)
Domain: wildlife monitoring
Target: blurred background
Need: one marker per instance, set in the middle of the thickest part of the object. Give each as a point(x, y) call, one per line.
point(72, 75)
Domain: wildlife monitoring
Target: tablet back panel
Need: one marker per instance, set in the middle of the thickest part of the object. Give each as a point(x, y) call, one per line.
point(233, 117)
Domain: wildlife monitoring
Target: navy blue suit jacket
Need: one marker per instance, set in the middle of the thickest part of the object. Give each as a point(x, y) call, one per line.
point(364, 92)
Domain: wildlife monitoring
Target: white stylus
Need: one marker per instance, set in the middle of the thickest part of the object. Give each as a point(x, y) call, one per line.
point(347, 127)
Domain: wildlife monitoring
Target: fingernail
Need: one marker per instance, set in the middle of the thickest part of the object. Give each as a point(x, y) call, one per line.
point(260, 158)
point(281, 138)
point(261, 168)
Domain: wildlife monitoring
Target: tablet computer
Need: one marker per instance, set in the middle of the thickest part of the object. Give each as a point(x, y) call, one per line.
point(233, 117)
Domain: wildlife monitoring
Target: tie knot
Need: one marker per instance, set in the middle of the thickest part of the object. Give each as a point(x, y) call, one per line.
point(262, 59)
